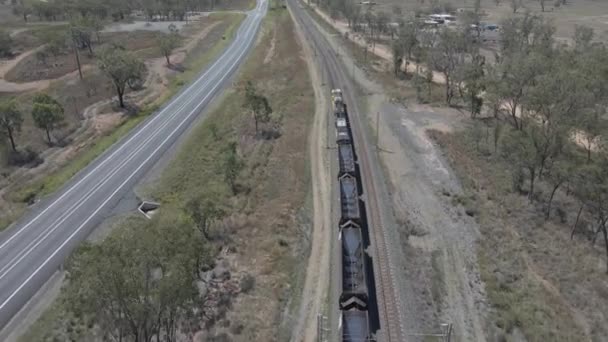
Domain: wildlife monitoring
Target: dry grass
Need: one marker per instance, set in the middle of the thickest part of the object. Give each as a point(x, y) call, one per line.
point(267, 234)
point(76, 96)
point(539, 282)
point(32, 69)
point(592, 13)
point(268, 219)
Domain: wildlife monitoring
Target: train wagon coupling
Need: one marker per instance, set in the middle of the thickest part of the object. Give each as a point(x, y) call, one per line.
point(354, 322)
point(357, 301)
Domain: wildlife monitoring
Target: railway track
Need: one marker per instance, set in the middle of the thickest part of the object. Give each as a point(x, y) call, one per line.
point(389, 303)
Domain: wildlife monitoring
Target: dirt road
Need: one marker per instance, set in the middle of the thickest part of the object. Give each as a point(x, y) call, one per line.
point(316, 285)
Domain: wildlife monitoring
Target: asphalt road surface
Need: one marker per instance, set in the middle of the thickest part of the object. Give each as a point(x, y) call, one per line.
point(37, 245)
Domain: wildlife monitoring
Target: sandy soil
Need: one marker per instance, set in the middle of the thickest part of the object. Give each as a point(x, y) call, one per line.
point(162, 26)
point(97, 119)
point(270, 53)
point(11, 87)
point(434, 236)
point(316, 284)
point(158, 81)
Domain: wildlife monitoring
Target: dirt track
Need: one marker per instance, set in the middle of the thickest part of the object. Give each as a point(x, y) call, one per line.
point(316, 285)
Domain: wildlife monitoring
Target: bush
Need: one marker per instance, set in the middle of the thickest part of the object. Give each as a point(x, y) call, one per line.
point(6, 43)
point(28, 158)
point(247, 283)
point(221, 337)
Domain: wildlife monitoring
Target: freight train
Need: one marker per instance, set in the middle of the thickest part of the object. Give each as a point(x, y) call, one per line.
point(354, 297)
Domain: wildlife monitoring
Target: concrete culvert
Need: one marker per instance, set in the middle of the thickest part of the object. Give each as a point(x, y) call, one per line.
point(148, 208)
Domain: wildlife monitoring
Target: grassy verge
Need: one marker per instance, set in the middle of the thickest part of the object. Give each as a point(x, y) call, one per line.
point(267, 216)
point(55, 180)
point(195, 65)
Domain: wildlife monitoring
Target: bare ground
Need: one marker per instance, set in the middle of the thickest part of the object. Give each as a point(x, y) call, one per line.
point(101, 120)
point(90, 115)
point(478, 255)
point(316, 284)
point(437, 242)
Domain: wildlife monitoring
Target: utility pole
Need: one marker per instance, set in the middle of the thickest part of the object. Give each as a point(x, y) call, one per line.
point(353, 71)
point(447, 331)
point(377, 130)
point(76, 52)
point(322, 331)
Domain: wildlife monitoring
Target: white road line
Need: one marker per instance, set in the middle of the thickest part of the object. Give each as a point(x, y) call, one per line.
point(197, 108)
point(191, 88)
point(50, 229)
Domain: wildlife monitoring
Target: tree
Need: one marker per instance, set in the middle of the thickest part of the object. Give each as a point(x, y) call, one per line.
point(407, 40)
point(472, 83)
point(554, 100)
point(167, 43)
point(257, 104)
point(6, 44)
point(382, 22)
point(519, 150)
point(561, 171)
point(419, 83)
point(22, 8)
point(82, 29)
point(590, 60)
point(140, 282)
point(122, 68)
point(515, 5)
point(446, 57)
point(583, 36)
point(511, 82)
point(397, 56)
point(47, 114)
point(10, 120)
point(523, 35)
point(397, 10)
point(204, 214)
point(55, 42)
point(232, 166)
point(592, 189)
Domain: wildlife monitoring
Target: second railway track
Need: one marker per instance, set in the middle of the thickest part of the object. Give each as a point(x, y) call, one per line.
point(389, 303)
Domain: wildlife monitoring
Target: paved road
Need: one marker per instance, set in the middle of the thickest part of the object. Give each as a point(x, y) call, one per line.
point(35, 247)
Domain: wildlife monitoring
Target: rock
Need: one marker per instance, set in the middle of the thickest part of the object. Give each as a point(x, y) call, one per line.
point(221, 273)
point(202, 288)
point(470, 212)
point(206, 276)
point(157, 273)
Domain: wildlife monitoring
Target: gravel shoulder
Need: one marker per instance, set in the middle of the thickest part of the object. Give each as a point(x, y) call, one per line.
point(436, 241)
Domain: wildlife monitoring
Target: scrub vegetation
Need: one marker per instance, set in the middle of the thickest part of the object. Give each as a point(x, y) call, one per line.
point(217, 260)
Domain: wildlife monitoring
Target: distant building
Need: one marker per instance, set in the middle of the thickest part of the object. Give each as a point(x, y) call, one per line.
point(442, 18)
